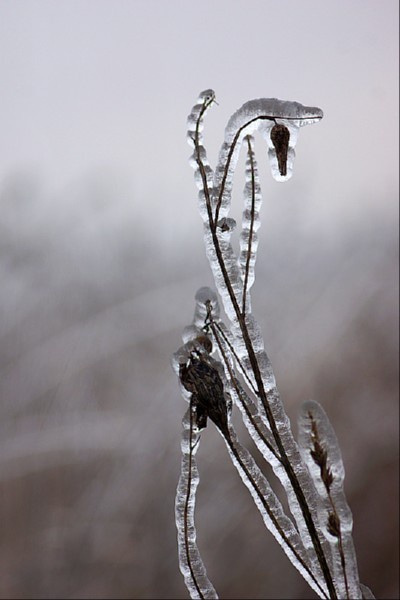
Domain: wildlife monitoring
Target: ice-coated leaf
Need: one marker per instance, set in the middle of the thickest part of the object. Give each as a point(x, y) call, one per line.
point(321, 453)
point(190, 562)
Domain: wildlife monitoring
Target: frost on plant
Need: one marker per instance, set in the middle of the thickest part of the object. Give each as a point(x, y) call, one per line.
point(223, 365)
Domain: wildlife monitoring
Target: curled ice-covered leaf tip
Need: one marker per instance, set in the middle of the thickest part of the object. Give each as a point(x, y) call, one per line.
point(207, 96)
point(195, 124)
point(279, 122)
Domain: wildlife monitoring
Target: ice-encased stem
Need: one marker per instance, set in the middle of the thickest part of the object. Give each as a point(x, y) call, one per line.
point(227, 278)
point(255, 425)
point(258, 431)
point(321, 453)
point(271, 509)
point(190, 562)
point(250, 224)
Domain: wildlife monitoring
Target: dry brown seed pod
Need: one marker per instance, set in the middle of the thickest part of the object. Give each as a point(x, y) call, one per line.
point(280, 136)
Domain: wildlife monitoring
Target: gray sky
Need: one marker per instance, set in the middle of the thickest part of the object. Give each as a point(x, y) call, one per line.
point(104, 87)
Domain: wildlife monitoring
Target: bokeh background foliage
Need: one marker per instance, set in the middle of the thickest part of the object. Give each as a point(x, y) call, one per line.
point(102, 252)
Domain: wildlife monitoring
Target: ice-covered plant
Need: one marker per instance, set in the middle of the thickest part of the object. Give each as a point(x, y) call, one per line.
point(223, 365)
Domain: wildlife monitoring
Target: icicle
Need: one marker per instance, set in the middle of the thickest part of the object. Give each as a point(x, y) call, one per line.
point(190, 562)
point(321, 453)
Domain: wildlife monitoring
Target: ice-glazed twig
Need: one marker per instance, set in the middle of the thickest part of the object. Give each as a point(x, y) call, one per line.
point(319, 543)
point(321, 452)
point(271, 511)
point(205, 173)
point(244, 328)
point(203, 378)
point(190, 562)
point(248, 408)
point(263, 114)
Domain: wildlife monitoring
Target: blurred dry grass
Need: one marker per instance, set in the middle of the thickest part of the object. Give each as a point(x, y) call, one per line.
point(91, 310)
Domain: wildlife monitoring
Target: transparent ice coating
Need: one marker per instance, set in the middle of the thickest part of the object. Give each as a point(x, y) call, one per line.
point(258, 426)
point(214, 204)
point(262, 115)
point(272, 512)
point(205, 296)
point(314, 424)
point(190, 562)
point(250, 222)
point(229, 275)
point(204, 181)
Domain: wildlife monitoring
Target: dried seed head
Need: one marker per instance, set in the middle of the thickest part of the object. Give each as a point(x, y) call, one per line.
point(205, 342)
point(206, 386)
point(333, 524)
point(320, 455)
point(280, 136)
point(200, 415)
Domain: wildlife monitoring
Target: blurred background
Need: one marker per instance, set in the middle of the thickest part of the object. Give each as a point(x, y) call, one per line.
point(101, 253)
